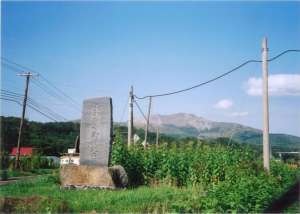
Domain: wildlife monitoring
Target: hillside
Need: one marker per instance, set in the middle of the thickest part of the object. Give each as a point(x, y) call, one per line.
point(189, 125)
point(55, 138)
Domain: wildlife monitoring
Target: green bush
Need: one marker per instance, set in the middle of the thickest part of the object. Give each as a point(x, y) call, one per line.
point(232, 175)
point(4, 162)
point(130, 159)
point(33, 162)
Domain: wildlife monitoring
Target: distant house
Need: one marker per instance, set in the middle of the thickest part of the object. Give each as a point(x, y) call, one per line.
point(24, 151)
point(70, 158)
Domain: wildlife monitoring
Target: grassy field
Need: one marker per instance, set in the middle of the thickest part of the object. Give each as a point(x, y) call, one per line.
point(295, 208)
point(18, 173)
point(44, 194)
point(183, 178)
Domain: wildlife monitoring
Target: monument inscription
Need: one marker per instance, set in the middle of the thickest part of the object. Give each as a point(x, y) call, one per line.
point(96, 131)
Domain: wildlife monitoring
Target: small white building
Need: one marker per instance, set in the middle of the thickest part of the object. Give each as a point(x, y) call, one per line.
point(70, 158)
point(136, 138)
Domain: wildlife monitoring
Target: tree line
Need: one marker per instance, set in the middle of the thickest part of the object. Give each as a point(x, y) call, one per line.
point(54, 138)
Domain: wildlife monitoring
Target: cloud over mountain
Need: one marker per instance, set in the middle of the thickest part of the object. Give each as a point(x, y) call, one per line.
point(279, 85)
point(223, 104)
point(239, 114)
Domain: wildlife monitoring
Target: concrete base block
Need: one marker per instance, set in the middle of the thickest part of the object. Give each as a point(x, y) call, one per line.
point(83, 176)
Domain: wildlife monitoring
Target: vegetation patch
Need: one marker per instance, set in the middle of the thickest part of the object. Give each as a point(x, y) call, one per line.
point(184, 176)
point(32, 204)
point(190, 177)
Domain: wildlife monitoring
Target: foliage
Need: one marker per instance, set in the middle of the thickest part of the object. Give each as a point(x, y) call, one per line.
point(279, 142)
point(179, 175)
point(142, 199)
point(294, 208)
point(33, 162)
point(231, 174)
point(48, 138)
point(4, 162)
point(56, 137)
point(131, 160)
point(18, 173)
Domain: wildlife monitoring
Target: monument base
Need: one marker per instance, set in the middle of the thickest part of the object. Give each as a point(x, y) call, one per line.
point(84, 176)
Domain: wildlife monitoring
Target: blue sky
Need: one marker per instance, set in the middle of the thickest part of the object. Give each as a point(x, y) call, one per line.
point(90, 49)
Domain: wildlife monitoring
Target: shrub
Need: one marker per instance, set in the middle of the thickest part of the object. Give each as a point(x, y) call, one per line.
point(232, 175)
point(130, 159)
point(33, 162)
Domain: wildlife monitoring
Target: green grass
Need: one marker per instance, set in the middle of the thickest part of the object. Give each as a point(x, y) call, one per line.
point(43, 194)
point(18, 173)
point(295, 208)
point(213, 178)
point(142, 199)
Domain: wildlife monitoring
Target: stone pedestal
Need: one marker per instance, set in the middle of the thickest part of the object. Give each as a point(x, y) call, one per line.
point(84, 176)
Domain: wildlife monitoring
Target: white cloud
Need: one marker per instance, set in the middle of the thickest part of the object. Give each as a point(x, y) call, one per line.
point(239, 114)
point(279, 85)
point(223, 104)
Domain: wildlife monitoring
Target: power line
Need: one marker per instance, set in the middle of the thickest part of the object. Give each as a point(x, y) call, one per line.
point(140, 110)
point(282, 53)
point(44, 87)
point(10, 67)
point(49, 91)
point(67, 96)
point(30, 105)
point(16, 101)
point(11, 83)
point(42, 77)
point(34, 103)
point(36, 109)
point(142, 113)
point(39, 106)
point(53, 93)
point(16, 64)
point(124, 109)
point(217, 77)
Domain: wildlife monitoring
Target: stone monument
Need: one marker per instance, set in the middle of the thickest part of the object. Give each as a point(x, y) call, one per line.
point(96, 136)
point(96, 132)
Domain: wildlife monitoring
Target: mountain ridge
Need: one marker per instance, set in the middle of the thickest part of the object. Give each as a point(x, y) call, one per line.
point(185, 120)
point(191, 125)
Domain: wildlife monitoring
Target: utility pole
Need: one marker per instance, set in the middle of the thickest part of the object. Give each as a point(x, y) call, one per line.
point(76, 144)
point(147, 124)
point(130, 117)
point(266, 143)
point(27, 75)
point(157, 136)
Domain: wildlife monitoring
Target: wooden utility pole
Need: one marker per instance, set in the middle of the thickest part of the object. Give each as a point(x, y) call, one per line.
point(76, 144)
point(157, 136)
point(266, 143)
point(27, 75)
point(130, 117)
point(147, 124)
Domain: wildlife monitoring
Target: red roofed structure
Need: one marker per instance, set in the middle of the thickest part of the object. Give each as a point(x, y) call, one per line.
point(24, 151)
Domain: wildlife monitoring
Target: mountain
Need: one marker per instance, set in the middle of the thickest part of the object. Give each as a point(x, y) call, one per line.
point(190, 125)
